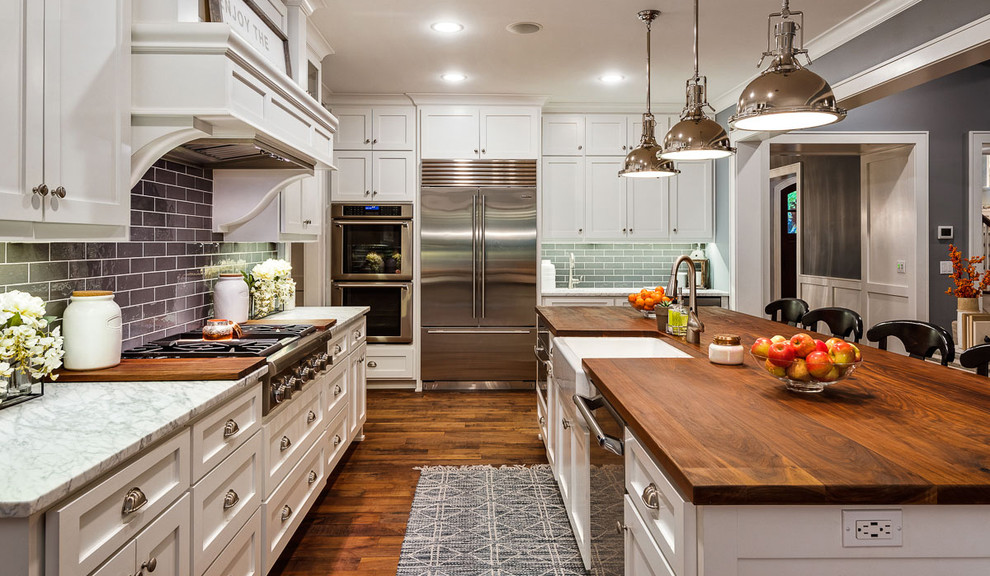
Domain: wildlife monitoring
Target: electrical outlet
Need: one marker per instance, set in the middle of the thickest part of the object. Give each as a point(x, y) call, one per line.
point(945, 267)
point(901, 267)
point(872, 528)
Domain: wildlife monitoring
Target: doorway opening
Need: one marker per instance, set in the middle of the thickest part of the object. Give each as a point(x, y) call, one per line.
point(785, 184)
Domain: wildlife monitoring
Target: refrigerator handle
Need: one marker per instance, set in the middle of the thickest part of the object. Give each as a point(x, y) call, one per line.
point(484, 263)
point(474, 256)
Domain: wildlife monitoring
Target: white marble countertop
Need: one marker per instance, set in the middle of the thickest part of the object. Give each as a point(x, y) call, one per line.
point(342, 314)
point(78, 431)
point(616, 292)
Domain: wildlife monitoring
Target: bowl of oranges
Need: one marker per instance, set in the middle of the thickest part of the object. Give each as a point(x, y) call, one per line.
point(647, 300)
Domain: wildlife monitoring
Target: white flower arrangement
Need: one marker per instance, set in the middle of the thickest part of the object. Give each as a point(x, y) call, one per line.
point(26, 345)
point(270, 282)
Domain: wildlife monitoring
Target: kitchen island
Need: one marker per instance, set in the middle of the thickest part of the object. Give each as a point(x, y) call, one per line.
point(759, 480)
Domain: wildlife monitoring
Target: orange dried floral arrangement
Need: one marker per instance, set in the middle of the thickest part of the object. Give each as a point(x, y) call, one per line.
point(964, 286)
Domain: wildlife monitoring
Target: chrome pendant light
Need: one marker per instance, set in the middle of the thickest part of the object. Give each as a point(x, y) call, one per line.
point(786, 96)
point(696, 136)
point(644, 160)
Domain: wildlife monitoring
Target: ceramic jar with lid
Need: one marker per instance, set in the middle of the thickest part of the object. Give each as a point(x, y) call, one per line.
point(91, 331)
point(231, 299)
point(725, 349)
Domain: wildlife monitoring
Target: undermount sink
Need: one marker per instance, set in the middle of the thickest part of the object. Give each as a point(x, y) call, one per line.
point(568, 352)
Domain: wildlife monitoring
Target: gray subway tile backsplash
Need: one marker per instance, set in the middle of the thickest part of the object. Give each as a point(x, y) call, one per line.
point(156, 277)
point(614, 265)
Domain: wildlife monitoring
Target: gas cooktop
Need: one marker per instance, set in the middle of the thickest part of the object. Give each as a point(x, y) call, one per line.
point(252, 331)
point(183, 348)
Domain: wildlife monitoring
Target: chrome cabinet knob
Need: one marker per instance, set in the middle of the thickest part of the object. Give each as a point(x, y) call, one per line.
point(230, 428)
point(542, 420)
point(580, 147)
point(336, 439)
point(367, 140)
point(475, 150)
point(580, 230)
point(40, 190)
point(623, 147)
point(311, 417)
point(337, 390)
point(284, 444)
point(312, 477)
point(59, 192)
point(375, 141)
point(483, 151)
point(286, 512)
point(651, 496)
point(134, 500)
point(565, 423)
point(367, 192)
point(150, 565)
point(623, 230)
point(230, 500)
point(307, 222)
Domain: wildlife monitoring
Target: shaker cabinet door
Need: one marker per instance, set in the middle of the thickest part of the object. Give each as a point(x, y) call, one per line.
point(692, 206)
point(563, 197)
point(606, 192)
point(352, 179)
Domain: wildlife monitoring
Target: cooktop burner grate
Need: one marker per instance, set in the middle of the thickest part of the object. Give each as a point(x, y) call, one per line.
point(172, 348)
point(267, 331)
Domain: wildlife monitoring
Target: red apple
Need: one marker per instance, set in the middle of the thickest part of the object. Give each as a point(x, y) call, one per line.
point(798, 371)
point(774, 370)
point(761, 347)
point(843, 352)
point(778, 338)
point(831, 376)
point(819, 363)
point(820, 346)
point(831, 342)
point(782, 353)
point(859, 355)
point(803, 344)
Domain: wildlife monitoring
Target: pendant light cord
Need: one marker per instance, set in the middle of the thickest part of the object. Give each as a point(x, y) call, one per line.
point(649, 26)
point(696, 77)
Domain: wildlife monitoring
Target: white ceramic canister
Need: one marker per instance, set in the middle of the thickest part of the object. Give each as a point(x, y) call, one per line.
point(230, 298)
point(91, 331)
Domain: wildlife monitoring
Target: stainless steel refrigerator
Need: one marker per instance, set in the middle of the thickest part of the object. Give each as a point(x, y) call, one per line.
point(478, 254)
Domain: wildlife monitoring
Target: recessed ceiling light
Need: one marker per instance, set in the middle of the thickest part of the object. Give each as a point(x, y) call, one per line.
point(447, 27)
point(611, 78)
point(453, 77)
point(524, 27)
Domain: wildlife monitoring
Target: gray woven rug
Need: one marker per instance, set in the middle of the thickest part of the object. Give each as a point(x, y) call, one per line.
point(507, 521)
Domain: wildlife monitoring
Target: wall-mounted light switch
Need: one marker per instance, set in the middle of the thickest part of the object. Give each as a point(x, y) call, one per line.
point(901, 267)
point(945, 267)
point(945, 232)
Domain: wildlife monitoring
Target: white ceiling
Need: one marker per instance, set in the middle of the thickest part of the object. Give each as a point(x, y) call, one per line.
point(387, 46)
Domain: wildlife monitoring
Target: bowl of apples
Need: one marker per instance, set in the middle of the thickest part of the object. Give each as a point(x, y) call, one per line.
point(804, 363)
point(647, 300)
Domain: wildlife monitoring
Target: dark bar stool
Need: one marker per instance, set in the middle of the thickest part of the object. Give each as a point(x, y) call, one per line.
point(841, 322)
point(976, 357)
point(920, 339)
point(787, 310)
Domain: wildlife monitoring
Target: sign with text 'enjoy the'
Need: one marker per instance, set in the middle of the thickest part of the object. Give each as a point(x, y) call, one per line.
point(248, 23)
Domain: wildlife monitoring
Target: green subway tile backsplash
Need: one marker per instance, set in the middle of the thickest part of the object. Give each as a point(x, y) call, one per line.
point(608, 265)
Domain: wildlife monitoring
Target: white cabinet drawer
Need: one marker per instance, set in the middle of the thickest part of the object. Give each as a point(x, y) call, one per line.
point(287, 506)
point(358, 332)
point(82, 533)
point(242, 557)
point(335, 390)
point(164, 544)
point(220, 433)
point(642, 555)
point(338, 347)
point(669, 518)
point(336, 440)
point(224, 500)
point(289, 434)
point(389, 362)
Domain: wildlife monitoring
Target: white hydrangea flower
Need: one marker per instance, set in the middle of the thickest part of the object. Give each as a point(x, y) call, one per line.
point(27, 346)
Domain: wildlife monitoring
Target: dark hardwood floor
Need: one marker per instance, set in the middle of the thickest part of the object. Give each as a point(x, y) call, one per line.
point(357, 524)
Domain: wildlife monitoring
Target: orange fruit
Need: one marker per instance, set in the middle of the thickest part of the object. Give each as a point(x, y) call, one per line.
point(633, 297)
point(649, 307)
point(650, 302)
point(639, 304)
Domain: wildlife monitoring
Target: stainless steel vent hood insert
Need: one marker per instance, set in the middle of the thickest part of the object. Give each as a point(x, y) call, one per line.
point(238, 153)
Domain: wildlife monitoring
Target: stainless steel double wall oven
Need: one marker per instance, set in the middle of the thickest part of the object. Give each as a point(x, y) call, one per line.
point(371, 265)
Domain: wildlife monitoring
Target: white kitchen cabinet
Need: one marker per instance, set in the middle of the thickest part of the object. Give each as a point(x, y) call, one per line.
point(606, 135)
point(692, 202)
point(302, 205)
point(572, 454)
point(390, 362)
point(366, 176)
point(578, 301)
point(563, 197)
point(359, 390)
point(647, 208)
point(162, 548)
point(605, 192)
point(379, 128)
point(563, 135)
point(642, 555)
point(66, 113)
point(634, 128)
point(486, 132)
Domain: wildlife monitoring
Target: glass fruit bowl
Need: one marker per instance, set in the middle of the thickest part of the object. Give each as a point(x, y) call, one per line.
point(799, 377)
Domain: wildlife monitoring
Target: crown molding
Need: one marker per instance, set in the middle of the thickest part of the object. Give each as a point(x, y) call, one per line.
point(609, 108)
point(478, 99)
point(357, 99)
point(853, 26)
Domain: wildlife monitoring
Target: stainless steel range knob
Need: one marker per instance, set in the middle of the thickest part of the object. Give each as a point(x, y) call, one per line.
point(324, 361)
point(291, 384)
point(278, 393)
point(307, 373)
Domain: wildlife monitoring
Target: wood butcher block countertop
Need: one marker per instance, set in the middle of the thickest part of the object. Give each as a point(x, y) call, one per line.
point(898, 431)
point(167, 369)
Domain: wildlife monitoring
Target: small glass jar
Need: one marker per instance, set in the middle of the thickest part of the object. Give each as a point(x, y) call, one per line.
point(219, 329)
point(677, 319)
point(725, 349)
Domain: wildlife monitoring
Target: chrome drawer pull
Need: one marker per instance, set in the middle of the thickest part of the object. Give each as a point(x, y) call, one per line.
point(336, 439)
point(134, 500)
point(150, 565)
point(372, 364)
point(337, 349)
point(230, 500)
point(284, 444)
point(651, 496)
point(310, 417)
point(542, 420)
point(337, 390)
point(286, 512)
point(620, 527)
point(312, 477)
point(230, 428)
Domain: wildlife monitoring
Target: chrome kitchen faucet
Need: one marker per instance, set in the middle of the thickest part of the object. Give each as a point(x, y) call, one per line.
point(695, 326)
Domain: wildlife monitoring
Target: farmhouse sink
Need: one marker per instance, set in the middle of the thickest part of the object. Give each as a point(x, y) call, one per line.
point(567, 353)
